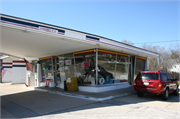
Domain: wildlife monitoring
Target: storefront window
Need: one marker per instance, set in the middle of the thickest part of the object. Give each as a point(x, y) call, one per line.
point(122, 69)
point(112, 67)
point(106, 68)
point(66, 65)
point(47, 72)
point(140, 66)
point(85, 68)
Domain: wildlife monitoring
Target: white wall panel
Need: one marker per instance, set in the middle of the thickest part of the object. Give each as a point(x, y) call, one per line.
point(19, 75)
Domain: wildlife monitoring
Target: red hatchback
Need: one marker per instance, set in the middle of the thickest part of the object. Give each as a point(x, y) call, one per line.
point(157, 82)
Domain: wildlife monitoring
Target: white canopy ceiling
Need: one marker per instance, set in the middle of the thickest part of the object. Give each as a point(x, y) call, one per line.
point(25, 39)
point(32, 46)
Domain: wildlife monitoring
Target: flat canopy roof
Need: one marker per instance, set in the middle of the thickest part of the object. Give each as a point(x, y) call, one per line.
point(32, 40)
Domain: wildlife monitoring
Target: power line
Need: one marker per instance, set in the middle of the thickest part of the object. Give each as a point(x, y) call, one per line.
point(158, 42)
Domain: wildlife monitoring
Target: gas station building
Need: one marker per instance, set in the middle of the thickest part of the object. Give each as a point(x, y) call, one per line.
point(58, 54)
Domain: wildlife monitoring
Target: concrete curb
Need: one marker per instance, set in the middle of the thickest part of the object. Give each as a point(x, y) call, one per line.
point(80, 96)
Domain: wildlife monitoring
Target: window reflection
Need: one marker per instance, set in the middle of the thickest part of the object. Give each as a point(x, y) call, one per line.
point(85, 68)
point(47, 72)
point(112, 67)
point(106, 67)
point(122, 69)
point(140, 66)
point(66, 65)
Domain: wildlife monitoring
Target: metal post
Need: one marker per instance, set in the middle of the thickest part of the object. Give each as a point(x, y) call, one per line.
point(131, 71)
point(147, 64)
point(128, 67)
point(1, 70)
point(134, 68)
point(96, 66)
point(52, 64)
point(55, 71)
point(74, 65)
point(38, 72)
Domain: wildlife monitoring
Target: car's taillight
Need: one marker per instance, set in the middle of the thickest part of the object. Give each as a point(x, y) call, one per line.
point(160, 85)
point(134, 84)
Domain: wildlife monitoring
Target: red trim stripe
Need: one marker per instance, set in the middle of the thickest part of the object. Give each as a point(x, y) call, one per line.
point(113, 53)
point(84, 53)
point(45, 58)
point(19, 62)
point(7, 63)
point(122, 55)
point(107, 52)
point(141, 58)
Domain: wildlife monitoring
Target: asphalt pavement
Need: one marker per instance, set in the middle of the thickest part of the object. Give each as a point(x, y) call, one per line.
point(28, 103)
point(17, 101)
point(88, 95)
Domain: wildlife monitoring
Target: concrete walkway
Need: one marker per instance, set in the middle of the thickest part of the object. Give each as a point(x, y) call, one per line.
point(87, 95)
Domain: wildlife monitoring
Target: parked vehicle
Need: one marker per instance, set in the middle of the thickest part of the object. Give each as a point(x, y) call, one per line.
point(156, 82)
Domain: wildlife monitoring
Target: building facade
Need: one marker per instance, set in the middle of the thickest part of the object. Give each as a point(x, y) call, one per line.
point(56, 53)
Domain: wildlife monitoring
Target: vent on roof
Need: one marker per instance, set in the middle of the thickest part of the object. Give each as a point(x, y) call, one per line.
point(91, 38)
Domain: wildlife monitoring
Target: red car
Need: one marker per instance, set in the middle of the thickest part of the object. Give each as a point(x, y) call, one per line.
point(156, 82)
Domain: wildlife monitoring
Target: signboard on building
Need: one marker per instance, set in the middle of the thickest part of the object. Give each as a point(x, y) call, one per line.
point(48, 30)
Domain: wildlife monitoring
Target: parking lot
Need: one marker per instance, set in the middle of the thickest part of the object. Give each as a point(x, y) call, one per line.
point(19, 102)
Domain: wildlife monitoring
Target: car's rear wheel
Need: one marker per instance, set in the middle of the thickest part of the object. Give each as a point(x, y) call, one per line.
point(176, 91)
point(140, 94)
point(165, 95)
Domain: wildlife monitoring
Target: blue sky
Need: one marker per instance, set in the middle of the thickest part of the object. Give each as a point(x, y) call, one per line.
point(138, 21)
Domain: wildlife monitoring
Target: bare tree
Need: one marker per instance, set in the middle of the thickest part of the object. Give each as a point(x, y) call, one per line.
point(161, 63)
point(127, 42)
point(175, 53)
point(166, 57)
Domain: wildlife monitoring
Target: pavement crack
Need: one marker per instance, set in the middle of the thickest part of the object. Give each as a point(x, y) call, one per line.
point(167, 106)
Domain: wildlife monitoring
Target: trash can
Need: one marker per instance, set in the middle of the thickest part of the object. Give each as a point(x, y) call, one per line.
point(72, 84)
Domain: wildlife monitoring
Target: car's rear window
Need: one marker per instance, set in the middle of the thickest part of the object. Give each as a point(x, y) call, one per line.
point(148, 76)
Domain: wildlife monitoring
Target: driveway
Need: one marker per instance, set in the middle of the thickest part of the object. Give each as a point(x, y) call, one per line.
point(20, 102)
point(35, 104)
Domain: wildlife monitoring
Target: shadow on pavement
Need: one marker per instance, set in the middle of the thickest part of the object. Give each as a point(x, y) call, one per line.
point(36, 103)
